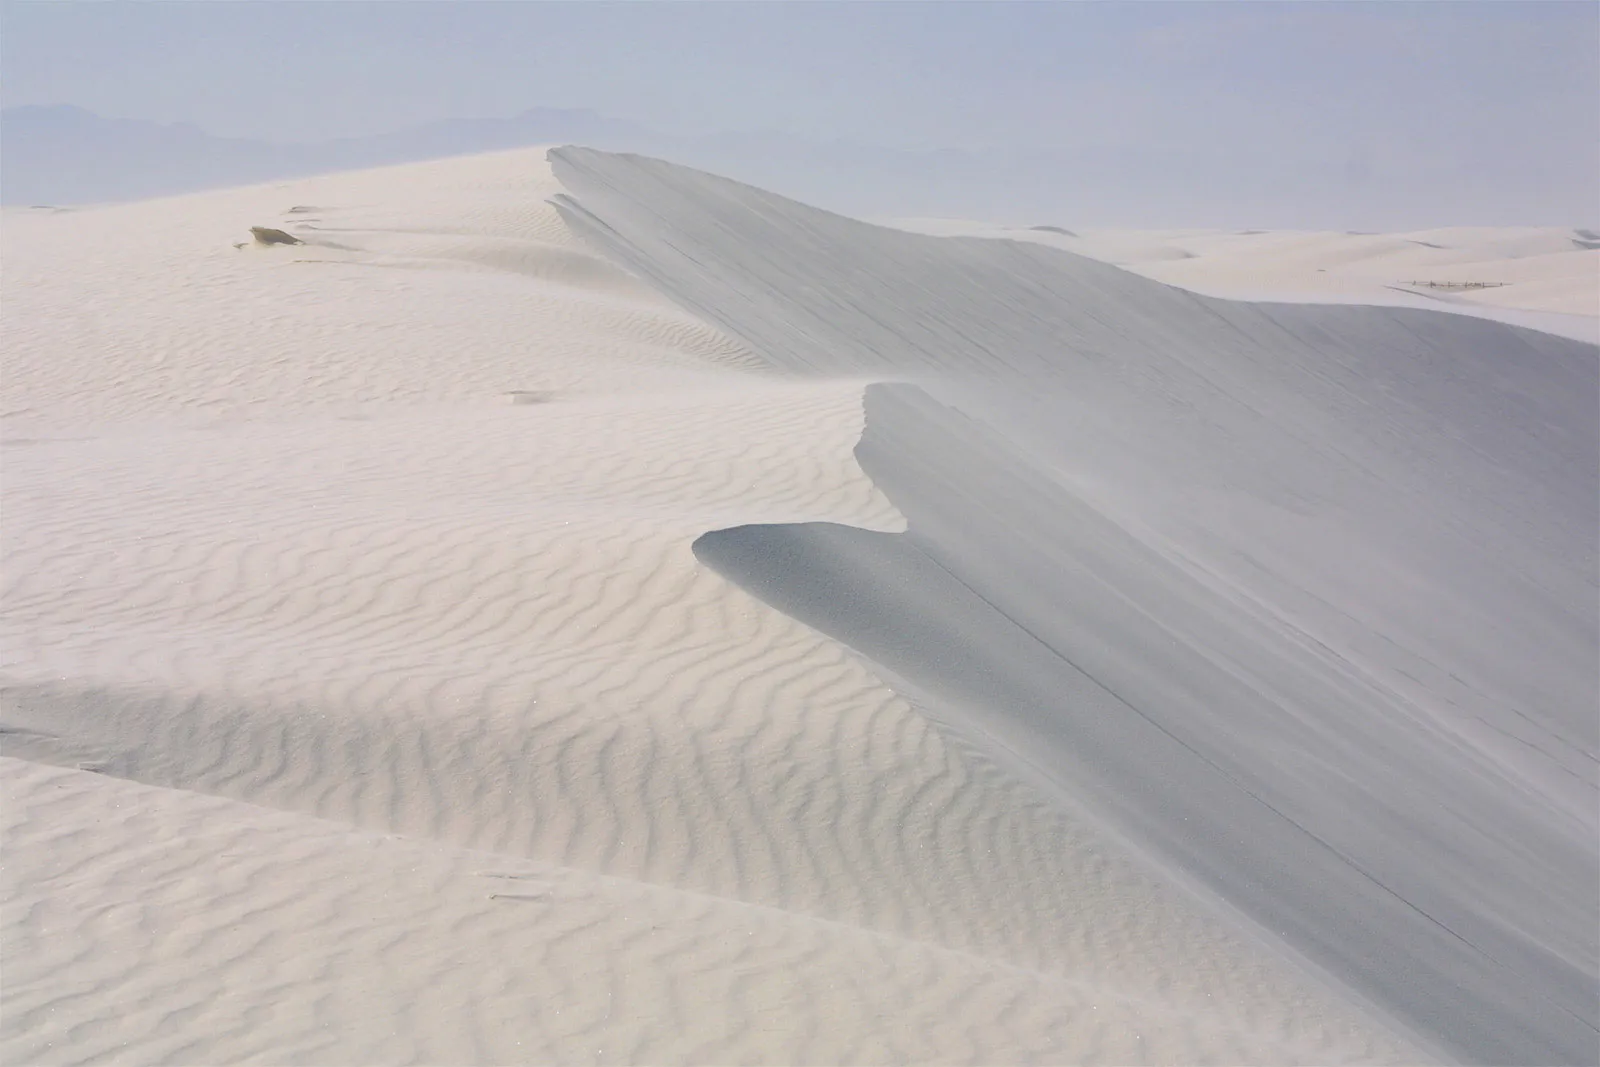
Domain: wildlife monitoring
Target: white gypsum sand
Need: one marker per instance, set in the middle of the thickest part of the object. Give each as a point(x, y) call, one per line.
point(366, 700)
point(1299, 597)
point(359, 715)
point(1545, 278)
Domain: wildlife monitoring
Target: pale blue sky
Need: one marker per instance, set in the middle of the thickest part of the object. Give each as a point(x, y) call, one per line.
point(1411, 92)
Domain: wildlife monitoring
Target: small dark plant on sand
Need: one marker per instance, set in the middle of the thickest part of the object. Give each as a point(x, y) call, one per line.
point(265, 235)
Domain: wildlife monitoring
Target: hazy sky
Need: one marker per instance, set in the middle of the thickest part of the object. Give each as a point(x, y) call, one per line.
point(1415, 92)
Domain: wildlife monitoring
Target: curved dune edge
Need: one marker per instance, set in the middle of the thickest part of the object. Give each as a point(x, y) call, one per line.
point(353, 714)
point(1257, 584)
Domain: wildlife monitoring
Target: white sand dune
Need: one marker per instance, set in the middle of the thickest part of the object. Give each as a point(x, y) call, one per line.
point(1300, 598)
point(355, 715)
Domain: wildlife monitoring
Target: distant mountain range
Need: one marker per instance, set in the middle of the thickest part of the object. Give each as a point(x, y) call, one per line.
point(64, 155)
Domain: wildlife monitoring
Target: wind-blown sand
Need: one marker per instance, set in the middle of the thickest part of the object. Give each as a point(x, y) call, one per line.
point(708, 704)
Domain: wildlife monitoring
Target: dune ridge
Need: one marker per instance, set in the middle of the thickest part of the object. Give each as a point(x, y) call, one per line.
point(354, 714)
point(1331, 569)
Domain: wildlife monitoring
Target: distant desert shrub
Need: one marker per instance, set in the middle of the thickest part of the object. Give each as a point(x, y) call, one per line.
point(266, 235)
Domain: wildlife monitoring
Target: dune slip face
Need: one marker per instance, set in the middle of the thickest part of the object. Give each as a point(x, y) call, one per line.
point(1299, 599)
point(367, 698)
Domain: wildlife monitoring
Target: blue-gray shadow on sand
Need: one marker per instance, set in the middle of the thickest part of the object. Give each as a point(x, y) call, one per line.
point(1031, 624)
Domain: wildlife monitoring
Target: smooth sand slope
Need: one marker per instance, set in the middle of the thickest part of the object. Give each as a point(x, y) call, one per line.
point(356, 715)
point(1300, 598)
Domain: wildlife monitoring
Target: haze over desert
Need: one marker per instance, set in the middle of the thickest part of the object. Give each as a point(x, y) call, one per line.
point(797, 577)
